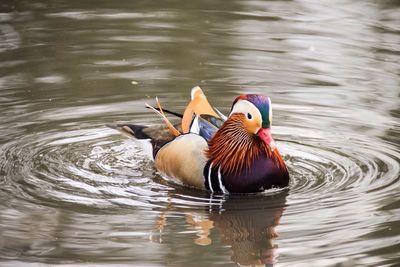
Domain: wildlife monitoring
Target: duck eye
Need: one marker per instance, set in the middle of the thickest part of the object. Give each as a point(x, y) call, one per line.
point(249, 116)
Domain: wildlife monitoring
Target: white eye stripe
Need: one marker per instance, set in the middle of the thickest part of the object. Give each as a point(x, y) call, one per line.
point(245, 107)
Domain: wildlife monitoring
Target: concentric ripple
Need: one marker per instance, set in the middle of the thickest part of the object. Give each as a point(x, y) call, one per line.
point(340, 164)
point(94, 169)
point(79, 167)
point(88, 167)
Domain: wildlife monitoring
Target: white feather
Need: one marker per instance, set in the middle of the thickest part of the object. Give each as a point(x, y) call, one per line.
point(220, 182)
point(195, 127)
point(209, 178)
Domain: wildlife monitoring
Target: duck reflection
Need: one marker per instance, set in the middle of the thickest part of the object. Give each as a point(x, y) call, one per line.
point(245, 223)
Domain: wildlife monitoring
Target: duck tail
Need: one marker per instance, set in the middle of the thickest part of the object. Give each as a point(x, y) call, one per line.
point(130, 130)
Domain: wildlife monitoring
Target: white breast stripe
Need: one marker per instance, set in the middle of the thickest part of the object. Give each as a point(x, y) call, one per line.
point(209, 178)
point(220, 182)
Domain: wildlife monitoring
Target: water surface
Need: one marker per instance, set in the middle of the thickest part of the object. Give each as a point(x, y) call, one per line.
point(75, 193)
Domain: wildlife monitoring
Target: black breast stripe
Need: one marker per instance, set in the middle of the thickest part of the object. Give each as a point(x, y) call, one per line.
point(212, 181)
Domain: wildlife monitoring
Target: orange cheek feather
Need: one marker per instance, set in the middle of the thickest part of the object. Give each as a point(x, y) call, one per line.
point(251, 126)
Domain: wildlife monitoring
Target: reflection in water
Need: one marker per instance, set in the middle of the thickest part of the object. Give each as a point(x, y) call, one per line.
point(248, 226)
point(245, 223)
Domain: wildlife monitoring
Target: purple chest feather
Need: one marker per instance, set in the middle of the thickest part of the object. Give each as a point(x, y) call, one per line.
point(262, 175)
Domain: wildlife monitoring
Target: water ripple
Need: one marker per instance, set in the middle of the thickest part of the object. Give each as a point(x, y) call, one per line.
point(93, 167)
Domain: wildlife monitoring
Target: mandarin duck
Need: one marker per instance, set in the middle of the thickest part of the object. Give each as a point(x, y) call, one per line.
point(234, 154)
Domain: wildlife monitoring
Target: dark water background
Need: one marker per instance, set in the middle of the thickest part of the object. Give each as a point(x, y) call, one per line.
point(75, 193)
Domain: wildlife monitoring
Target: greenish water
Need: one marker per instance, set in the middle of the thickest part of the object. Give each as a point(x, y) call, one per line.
point(75, 193)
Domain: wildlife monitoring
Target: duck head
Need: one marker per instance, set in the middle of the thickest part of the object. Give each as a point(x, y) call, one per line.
point(256, 113)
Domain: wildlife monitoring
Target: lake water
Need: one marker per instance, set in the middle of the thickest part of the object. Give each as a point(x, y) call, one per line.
point(75, 193)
